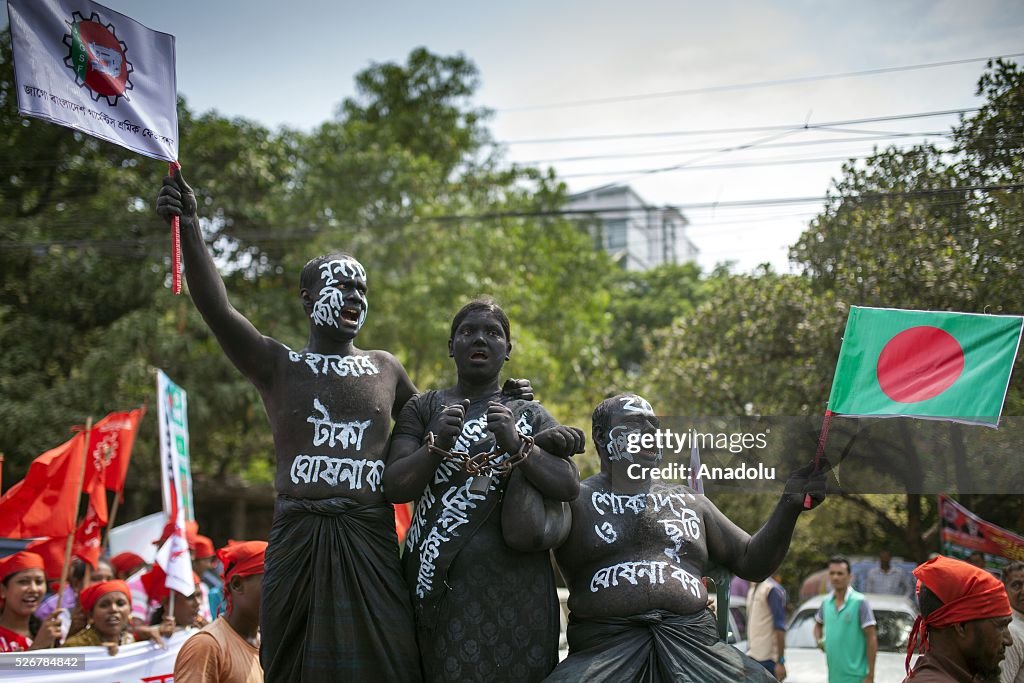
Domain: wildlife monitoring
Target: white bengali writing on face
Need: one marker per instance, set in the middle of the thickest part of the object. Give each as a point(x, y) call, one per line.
point(342, 366)
point(345, 434)
point(619, 436)
point(456, 504)
point(654, 573)
point(327, 308)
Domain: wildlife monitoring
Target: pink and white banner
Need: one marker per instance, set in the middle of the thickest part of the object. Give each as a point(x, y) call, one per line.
point(137, 663)
point(82, 65)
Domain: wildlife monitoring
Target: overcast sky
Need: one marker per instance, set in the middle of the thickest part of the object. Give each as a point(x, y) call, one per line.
point(291, 63)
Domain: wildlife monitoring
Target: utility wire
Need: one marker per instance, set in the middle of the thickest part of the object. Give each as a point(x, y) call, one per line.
point(697, 150)
point(746, 86)
point(747, 129)
point(307, 233)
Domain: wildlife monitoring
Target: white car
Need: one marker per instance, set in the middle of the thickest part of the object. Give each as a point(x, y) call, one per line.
point(894, 615)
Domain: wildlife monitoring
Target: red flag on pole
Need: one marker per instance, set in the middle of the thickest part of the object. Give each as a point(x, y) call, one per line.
point(110, 448)
point(52, 552)
point(87, 536)
point(45, 502)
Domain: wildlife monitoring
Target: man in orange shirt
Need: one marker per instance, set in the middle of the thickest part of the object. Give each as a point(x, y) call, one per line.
point(228, 650)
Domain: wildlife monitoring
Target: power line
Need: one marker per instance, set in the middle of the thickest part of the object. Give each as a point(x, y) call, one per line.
point(748, 129)
point(697, 150)
point(709, 167)
point(307, 233)
point(745, 86)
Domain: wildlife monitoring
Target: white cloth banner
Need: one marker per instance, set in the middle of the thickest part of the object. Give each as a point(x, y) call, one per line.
point(136, 663)
point(82, 65)
point(138, 536)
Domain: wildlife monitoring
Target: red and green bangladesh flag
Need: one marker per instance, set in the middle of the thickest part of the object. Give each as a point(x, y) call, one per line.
point(946, 366)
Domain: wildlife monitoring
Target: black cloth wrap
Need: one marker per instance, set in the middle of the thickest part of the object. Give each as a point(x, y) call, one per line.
point(335, 607)
point(652, 647)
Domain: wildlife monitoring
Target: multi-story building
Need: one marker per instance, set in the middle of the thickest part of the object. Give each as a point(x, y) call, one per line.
point(638, 235)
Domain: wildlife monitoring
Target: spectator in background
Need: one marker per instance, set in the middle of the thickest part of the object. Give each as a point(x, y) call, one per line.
point(185, 611)
point(227, 651)
point(888, 579)
point(203, 559)
point(22, 586)
point(766, 625)
point(845, 629)
point(964, 623)
point(127, 564)
point(1012, 667)
point(107, 606)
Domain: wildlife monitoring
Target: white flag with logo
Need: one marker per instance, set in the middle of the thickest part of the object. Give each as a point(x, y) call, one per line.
point(85, 66)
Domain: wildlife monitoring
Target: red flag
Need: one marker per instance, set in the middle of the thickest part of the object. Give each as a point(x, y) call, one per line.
point(110, 448)
point(87, 537)
point(52, 552)
point(45, 502)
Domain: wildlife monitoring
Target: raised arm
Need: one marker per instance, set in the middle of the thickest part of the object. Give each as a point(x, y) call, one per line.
point(755, 557)
point(249, 350)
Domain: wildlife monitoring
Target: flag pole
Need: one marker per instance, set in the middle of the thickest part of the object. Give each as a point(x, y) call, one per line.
point(113, 514)
point(110, 521)
point(819, 452)
point(78, 501)
point(175, 243)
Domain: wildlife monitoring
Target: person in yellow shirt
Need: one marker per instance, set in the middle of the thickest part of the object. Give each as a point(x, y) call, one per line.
point(228, 650)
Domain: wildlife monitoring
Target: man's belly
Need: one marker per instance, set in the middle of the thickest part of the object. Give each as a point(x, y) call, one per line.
point(632, 586)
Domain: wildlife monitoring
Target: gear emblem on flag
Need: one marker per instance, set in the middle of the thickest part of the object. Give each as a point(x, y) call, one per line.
point(98, 58)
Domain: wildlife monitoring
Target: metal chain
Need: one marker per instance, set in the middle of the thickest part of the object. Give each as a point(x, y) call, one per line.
point(483, 464)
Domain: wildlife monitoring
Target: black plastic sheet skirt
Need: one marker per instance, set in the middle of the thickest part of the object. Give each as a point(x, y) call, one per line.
point(652, 647)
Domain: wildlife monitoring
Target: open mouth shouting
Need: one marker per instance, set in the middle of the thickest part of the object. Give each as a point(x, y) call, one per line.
point(479, 356)
point(350, 315)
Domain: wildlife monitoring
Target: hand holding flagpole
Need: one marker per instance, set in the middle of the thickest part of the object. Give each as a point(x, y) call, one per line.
point(175, 243)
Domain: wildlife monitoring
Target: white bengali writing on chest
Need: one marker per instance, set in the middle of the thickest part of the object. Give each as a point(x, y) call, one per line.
point(676, 504)
point(312, 469)
point(652, 572)
point(345, 434)
point(342, 366)
point(355, 474)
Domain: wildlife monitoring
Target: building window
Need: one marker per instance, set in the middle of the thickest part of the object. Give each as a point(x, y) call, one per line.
point(615, 234)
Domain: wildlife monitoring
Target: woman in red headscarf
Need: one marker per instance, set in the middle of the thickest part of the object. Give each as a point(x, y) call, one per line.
point(108, 607)
point(22, 587)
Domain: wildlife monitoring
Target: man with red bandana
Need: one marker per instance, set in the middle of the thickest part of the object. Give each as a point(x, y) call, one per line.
point(227, 651)
point(964, 624)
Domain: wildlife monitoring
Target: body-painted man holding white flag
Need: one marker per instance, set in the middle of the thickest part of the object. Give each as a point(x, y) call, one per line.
point(334, 604)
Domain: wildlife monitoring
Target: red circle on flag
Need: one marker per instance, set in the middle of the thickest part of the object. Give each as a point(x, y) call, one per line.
point(919, 363)
point(107, 73)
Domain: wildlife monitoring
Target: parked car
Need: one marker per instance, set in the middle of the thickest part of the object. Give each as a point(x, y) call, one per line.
point(894, 615)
